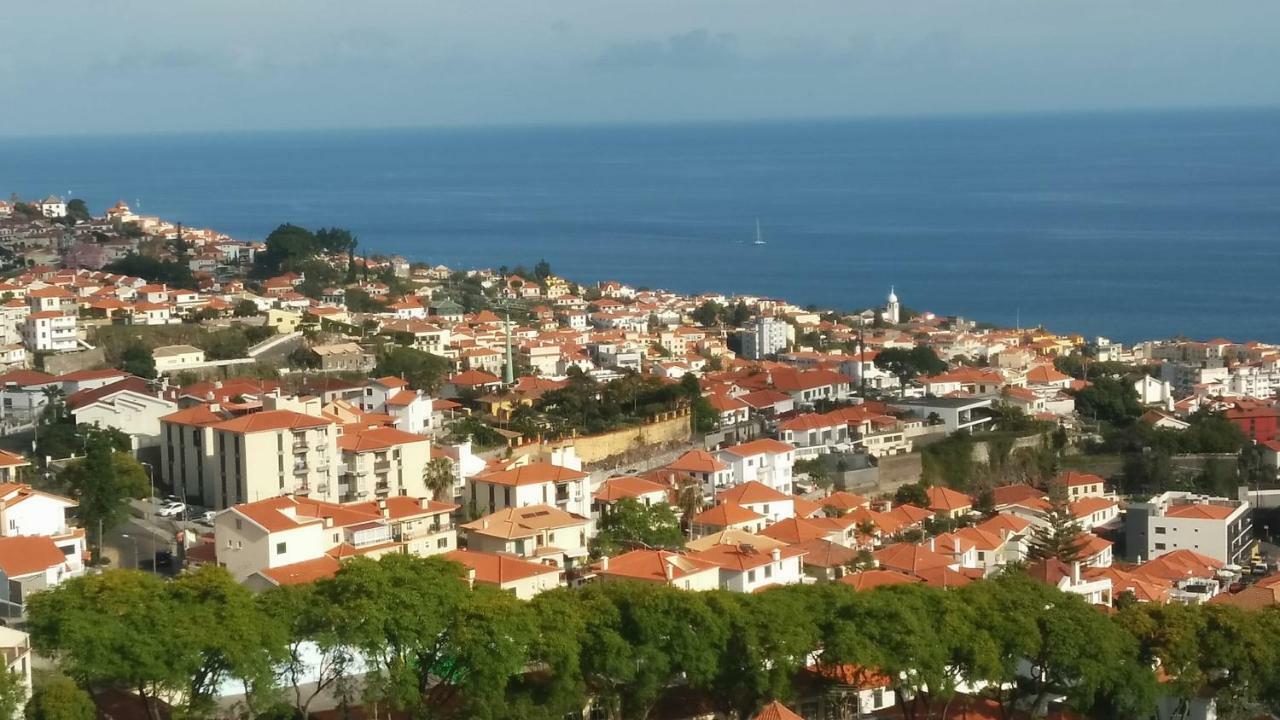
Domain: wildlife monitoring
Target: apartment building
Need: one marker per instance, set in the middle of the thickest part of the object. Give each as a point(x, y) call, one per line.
point(766, 461)
point(1215, 527)
point(535, 483)
point(220, 461)
point(49, 331)
point(283, 540)
point(382, 462)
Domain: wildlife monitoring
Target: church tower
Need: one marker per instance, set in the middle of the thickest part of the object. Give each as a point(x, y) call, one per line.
point(892, 310)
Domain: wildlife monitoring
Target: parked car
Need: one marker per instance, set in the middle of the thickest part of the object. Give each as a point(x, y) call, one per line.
point(171, 508)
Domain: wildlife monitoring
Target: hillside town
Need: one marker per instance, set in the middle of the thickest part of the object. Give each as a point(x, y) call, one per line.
point(407, 490)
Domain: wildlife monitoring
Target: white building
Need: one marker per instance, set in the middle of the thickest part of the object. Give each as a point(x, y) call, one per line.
point(767, 336)
point(1216, 527)
point(49, 331)
point(745, 569)
point(174, 358)
point(766, 461)
point(892, 309)
point(53, 207)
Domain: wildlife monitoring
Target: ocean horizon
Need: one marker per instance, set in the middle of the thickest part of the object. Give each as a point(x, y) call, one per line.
point(1127, 225)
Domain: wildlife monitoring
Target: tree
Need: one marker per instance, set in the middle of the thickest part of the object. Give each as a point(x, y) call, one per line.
point(59, 698)
point(245, 308)
point(908, 364)
point(287, 247)
point(438, 476)
point(315, 660)
point(103, 482)
point(1109, 399)
point(78, 211)
point(304, 357)
point(817, 471)
point(912, 494)
point(628, 523)
point(708, 313)
point(542, 270)
point(113, 630)
point(421, 370)
point(169, 272)
point(1059, 536)
point(138, 360)
point(335, 240)
point(12, 693)
point(227, 636)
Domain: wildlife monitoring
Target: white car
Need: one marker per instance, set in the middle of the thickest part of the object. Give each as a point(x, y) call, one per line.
point(171, 509)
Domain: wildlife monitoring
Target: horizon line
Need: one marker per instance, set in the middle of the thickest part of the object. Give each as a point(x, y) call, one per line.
point(666, 123)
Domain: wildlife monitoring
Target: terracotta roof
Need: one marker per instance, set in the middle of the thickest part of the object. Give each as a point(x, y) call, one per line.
point(615, 489)
point(698, 461)
point(380, 438)
point(943, 499)
point(271, 420)
point(304, 572)
point(497, 568)
point(652, 565)
point(759, 447)
point(826, 554)
point(910, 558)
point(1199, 511)
point(734, 536)
point(22, 555)
point(726, 514)
point(740, 558)
point(1254, 597)
point(8, 459)
point(751, 493)
point(24, 378)
point(198, 415)
point(844, 501)
point(523, 521)
point(794, 531)
point(474, 377)
point(532, 474)
point(1072, 478)
point(776, 711)
point(872, 579)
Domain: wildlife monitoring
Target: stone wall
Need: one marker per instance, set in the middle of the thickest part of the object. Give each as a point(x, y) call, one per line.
point(619, 446)
point(63, 363)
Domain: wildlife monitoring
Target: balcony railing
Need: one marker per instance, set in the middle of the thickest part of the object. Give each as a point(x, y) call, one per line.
point(383, 466)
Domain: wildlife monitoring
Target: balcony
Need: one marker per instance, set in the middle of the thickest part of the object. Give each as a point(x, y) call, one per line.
point(300, 469)
point(300, 443)
point(382, 488)
point(381, 467)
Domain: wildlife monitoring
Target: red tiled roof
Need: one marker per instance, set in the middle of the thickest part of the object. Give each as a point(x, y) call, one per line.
point(22, 555)
point(304, 572)
point(271, 420)
point(498, 569)
point(531, 474)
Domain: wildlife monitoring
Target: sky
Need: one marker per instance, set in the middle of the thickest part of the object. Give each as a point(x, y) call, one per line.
point(139, 66)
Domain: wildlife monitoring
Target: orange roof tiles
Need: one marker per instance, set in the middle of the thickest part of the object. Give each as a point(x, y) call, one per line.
point(776, 711)
point(654, 565)
point(23, 555)
point(380, 438)
point(532, 474)
point(726, 514)
point(615, 489)
point(697, 461)
point(304, 572)
point(271, 420)
point(943, 499)
point(497, 568)
point(1199, 511)
point(751, 493)
point(759, 447)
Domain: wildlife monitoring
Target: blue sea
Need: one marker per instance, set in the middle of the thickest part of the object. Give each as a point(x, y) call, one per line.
point(1130, 226)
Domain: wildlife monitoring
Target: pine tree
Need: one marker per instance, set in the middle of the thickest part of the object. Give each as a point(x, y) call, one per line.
point(1059, 535)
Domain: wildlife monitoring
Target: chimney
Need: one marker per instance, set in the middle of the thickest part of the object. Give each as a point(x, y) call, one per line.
point(777, 555)
point(424, 503)
point(382, 507)
point(217, 384)
point(484, 524)
point(471, 577)
point(933, 543)
point(1075, 573)
point(670, 571)
point(604, 563)
point(209, 396)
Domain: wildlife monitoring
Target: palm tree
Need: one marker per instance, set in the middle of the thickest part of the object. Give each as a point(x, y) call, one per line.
point(689, 500)
point(438, 477)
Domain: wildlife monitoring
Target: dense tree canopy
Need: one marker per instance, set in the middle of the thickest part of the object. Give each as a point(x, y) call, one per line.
point(629, 524)
point(442, 650)
point(909, 364)
point(422, 370)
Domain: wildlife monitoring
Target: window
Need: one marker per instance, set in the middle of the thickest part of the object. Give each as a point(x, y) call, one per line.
point(768, 571)
point(1159, 546)
point(442, 542)
point(1159, 531)
point(238, 524)
point(751, 576)
point(280, 548)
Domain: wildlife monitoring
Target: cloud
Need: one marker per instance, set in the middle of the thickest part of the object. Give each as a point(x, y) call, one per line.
point(694, 49)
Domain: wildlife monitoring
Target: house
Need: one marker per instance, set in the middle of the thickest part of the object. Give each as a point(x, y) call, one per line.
point(714, 474)
point(25, 511)
point(954, 413)
point(761, 499)
point(766, 461)
point(29, 564)
point(50, 331)
point(535, 483)
point(745, 569)
point(10, 465)
point(949, 503)
point(644, 491)
point(725, 517)
point(15, 648)
point(173, 358)
point(532, 531)
point(1068, 578)
point(344, 357)
point(677, 570)
point(521, 578)
point(287, 540)
point(1081, 485)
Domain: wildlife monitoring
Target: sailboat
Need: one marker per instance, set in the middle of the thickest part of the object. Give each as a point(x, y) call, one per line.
point(759, 239)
